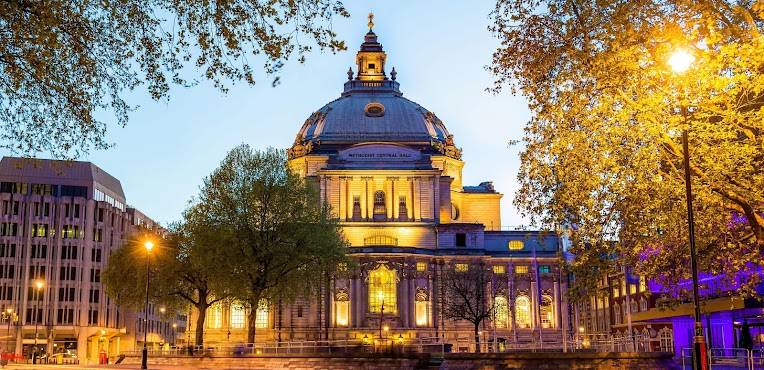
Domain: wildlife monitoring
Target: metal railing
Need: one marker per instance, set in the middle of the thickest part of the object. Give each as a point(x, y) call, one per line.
point(580, 343)
point(727, 359)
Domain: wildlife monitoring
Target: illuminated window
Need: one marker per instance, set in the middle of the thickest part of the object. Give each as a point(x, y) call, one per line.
point(422, 306)
point(215, 316)
point(642, 284)
point(521, 269)
point(382, 289)
point(547, 312)
point(545, 269)
point(342, 309)
point(523, 312)
point(461, 267)
point(616, 292)
point(667, 340)
point(261, 317)
point(617, 313)
point(237, 316)
point(632, 289)
point(421, 266)
point(380, 209)
point(516, 245)
point(501, 312)
point(499, 269)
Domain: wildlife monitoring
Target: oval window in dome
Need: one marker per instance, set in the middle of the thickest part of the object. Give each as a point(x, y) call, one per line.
point(374, 110)
point(454, 212)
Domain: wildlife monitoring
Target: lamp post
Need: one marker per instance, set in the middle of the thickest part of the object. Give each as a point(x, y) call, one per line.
point(39, 284)
point(381, 297)
point(680, 61)
point(149, 245)
point(9, 316)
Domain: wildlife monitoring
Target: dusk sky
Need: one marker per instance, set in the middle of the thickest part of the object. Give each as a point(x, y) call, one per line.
point(439, 50)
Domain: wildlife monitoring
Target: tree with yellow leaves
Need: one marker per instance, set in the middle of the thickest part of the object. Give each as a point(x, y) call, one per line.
point(603, 151)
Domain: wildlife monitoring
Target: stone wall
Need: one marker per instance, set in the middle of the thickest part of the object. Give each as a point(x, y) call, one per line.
point(451, 361)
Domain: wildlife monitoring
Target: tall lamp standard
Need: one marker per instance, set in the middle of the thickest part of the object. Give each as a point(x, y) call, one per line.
point(149, 245)
point(680, 61)
point(381, 296)
point(39, 284)
point(10, 317)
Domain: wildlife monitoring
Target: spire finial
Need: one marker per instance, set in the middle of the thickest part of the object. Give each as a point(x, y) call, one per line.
point(371, 21)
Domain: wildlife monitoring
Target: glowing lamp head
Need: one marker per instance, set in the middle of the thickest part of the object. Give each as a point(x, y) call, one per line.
point(39, 284)
point(9, 310)
point(681, 60)
point(103, 332)
point(386, 328)
point(174, 325)
point(162, 309)
point(400, 338)
point(580, 329)
point(149, 245)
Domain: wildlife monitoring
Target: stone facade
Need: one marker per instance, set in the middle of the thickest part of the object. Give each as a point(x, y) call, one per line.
point(392, 175)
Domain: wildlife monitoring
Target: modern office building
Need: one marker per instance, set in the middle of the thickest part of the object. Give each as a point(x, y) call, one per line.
point(392, 173)
point(59, 222)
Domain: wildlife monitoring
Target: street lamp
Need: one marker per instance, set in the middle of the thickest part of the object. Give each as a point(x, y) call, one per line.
point(9, 316)
point(680, 61)
point(149, 245)
point(39, 284)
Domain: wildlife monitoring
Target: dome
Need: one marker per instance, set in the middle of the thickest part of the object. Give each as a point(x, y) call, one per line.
point(372, 109)
point(372, 116)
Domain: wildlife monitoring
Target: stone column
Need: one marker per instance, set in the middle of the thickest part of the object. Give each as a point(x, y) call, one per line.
point(415, 200)
point(365, 197)
point(535, 304)
point(405, 304)
point(342, 208)
point(389, 198)
point(412, 293)
point(394, 186)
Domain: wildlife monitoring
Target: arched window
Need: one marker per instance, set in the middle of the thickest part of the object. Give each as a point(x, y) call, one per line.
point(634, 306)
point(667, 340)
point(237, 316)
point(617, 313)
point(501, 313)
point(422, 307)
point(342, 309)
point(523, 312)
point(382, 290)
point(380, 207)
point(643, 304)
point(215, 316)
point(547, 312)
point(261, 316)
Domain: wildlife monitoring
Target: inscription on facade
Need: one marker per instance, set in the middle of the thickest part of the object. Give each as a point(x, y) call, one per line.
point(379, 152)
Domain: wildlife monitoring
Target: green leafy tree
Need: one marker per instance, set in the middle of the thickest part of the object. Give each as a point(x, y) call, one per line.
point(64, 64)
point(603, 151)
point(275, 239)
point(179, 274)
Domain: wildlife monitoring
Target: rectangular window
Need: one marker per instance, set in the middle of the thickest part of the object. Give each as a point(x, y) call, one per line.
point(521, 269)
point(261, 316)
point(642, 284)
point(461, 267)
point(461, 239)
point(422, 315)
point(343, 310)
point(499, 269)
point(237, 316)
point(545, 269)
point(516, 245)
point(421, 266)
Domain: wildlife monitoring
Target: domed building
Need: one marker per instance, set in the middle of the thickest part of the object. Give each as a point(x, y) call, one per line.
point(392, 173)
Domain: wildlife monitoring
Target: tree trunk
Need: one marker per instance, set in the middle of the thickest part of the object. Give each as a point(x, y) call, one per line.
point(201, 308)
point(477, 338)
point(252, 324)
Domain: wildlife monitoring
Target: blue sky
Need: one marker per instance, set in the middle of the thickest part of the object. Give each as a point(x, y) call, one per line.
point(439, 50)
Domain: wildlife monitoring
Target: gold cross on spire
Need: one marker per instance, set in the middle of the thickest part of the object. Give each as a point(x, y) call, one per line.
point(371, 21)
